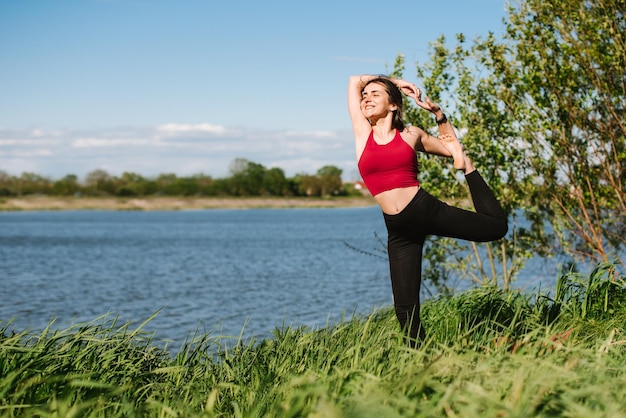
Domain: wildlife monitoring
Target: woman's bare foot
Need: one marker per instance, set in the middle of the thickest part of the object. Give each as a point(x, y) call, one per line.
point(455, 148)
point(469, 165)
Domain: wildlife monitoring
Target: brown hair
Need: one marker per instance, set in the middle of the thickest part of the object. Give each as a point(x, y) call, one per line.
point(395, 97)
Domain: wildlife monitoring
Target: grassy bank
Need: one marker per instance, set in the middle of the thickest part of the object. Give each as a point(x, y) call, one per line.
point(30, 203)
point(489, 354)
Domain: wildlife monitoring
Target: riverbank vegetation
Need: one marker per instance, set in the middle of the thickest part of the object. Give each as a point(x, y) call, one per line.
point(489, 353)
point(246, 179)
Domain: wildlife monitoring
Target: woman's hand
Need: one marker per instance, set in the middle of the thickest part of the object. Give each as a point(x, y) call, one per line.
point(426, 104)
point(411, 90)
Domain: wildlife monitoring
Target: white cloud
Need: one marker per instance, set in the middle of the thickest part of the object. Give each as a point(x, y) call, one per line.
point(109, 142)
point(183, 149)
point(315, 134)
point(177, 128)
point(13, 141)
point(39, 152)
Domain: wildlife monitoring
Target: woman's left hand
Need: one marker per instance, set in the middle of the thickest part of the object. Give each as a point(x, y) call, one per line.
point(409, 89)
point(426, 104)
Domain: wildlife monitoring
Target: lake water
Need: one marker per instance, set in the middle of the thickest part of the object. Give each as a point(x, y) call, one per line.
point(227, 272)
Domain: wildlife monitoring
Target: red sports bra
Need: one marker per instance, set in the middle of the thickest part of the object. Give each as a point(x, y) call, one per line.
point(389, 166)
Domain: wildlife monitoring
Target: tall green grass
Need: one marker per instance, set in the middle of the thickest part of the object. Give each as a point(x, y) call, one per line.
point(488, 354)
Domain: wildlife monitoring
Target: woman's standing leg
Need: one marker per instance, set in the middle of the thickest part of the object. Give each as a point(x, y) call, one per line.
point(404, 249)
point(405, 266)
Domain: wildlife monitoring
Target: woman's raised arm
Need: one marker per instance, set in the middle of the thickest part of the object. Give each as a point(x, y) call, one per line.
point(360, 125)
point(447, 144)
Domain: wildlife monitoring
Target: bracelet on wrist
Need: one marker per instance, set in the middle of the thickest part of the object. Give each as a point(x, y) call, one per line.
point(443, 119)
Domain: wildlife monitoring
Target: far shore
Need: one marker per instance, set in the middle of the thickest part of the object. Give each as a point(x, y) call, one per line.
point(46, 203)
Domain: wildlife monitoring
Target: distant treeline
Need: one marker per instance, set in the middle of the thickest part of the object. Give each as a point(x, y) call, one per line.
point(246, 179)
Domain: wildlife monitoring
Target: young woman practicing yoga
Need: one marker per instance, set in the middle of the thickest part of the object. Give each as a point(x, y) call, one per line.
point(387, 160)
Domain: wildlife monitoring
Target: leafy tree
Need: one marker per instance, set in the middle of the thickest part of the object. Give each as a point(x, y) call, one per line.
point(67, 186)
point(132, 184)
point(275, 183)
point(203, 183)
point(252, 179)
point(32, 183)
point(247, 179)
point(185, 186)
point(219, 187)
point(166, 183)
point(558, 78)
point(330, 180)
point(307, 185)
point(6, 184)
point(542, 115)
point(238, 165)
point(99, 182)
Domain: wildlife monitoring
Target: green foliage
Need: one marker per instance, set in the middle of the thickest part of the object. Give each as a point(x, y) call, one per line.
point(488, 353)
point(26, 183)
point(87, 367)
point(247, 179)
point(558, 81)
point(132, 184)
point(275, 183)
point(601, 295)
point(330, 179)
point(541, 113)
point(67, 186)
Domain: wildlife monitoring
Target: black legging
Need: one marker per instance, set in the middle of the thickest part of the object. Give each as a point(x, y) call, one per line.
point(426, 215)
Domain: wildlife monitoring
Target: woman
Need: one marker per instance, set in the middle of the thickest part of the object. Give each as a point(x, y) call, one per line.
point(386, 156)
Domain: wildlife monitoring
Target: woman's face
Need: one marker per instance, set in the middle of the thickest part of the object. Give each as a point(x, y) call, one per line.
point(375, 101)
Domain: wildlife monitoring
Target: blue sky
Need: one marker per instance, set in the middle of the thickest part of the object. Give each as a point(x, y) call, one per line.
point(186, 86)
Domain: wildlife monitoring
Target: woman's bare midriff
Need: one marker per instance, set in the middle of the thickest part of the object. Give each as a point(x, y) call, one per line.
point(393, 201)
